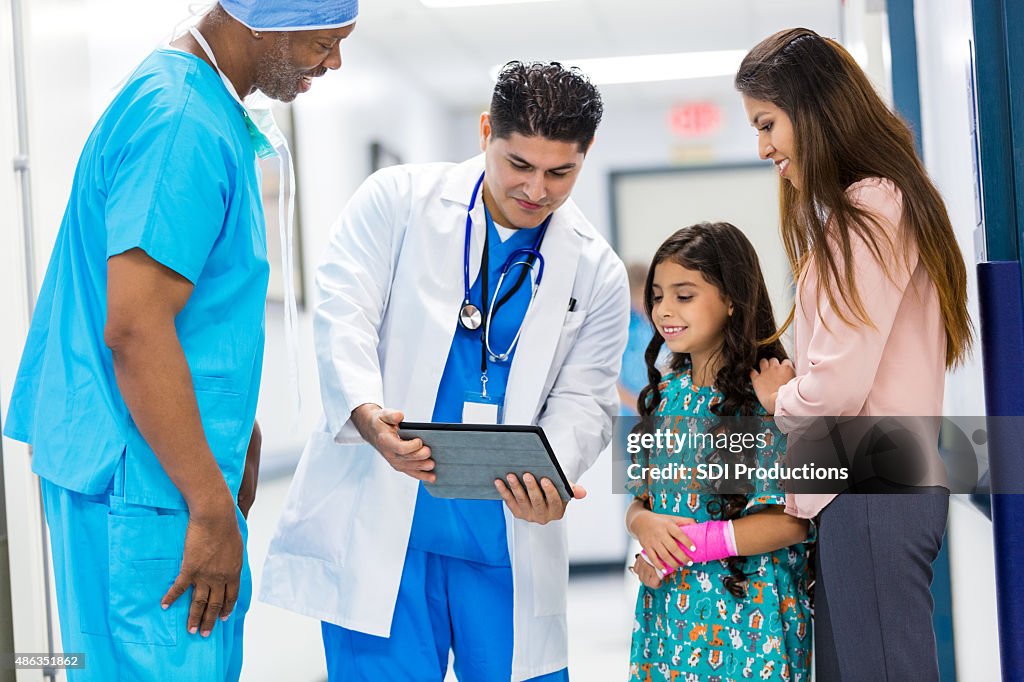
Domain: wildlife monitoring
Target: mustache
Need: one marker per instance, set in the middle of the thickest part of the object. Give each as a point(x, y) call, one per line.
point(535, 203)
point(316, 73)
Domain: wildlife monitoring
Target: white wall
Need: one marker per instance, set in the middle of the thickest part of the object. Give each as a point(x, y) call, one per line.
point(865, 34)
point(652, 205)
point(944, 28)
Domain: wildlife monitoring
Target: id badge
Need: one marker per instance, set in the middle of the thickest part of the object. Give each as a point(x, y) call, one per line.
point(478, 408)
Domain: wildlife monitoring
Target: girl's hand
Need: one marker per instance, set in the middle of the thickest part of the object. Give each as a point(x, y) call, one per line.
point(772, 376)
point(660, 535)
point(644, 570)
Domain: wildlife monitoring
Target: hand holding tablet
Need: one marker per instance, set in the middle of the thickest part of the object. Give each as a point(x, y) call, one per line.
point(533, 501)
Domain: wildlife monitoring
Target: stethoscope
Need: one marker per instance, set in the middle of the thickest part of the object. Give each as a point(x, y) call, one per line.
point(470, 316)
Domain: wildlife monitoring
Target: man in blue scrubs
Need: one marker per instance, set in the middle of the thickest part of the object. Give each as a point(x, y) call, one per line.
point(138, 385)
point(400, 578)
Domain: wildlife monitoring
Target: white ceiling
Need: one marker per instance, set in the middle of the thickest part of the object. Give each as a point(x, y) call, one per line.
point(450, 51)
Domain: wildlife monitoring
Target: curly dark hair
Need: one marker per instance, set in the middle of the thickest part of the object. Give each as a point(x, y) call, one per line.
point(545, 99)
point(726, 259)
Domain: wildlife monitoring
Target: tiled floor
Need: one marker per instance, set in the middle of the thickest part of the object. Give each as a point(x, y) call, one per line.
point(284, 646)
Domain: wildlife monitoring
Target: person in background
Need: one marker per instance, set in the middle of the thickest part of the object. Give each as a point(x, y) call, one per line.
point(725, 579)
point(633, 376)
point(880, 315)
point(138, 384)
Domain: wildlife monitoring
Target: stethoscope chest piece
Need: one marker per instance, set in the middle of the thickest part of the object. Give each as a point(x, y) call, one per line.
point(470, 316)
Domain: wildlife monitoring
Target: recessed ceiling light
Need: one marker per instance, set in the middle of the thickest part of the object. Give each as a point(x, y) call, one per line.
point(655, 67)
point(474, 3)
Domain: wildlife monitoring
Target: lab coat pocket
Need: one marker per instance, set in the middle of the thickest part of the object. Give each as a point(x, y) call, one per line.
point(324, 499)
point(549, 551)
point(145, 557)
point(567, 336)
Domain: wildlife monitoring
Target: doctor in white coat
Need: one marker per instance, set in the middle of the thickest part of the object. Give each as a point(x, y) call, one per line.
point(400, 578)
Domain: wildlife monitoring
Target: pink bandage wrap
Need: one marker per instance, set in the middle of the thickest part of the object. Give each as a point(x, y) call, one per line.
point(712, 540)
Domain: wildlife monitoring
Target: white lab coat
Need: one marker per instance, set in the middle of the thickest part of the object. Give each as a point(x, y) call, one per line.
point(390, 287)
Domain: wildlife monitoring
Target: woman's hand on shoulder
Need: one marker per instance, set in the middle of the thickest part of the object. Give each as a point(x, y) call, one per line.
point(770, 376)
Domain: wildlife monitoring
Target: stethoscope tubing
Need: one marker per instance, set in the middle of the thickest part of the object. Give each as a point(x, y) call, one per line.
point(502, 357)
point(517, 257)
point(469, 236)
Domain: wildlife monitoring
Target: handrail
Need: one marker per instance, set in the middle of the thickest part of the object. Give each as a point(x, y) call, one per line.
point(22, 171)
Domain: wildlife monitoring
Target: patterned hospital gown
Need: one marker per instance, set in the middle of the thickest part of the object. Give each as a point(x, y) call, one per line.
point(692, 628)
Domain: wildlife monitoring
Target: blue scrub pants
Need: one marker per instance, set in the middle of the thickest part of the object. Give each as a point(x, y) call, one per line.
point(443, 603)
point(112, 563)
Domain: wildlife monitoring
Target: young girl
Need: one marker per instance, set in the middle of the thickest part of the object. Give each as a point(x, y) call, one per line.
point(738, 606)
point(881, 313)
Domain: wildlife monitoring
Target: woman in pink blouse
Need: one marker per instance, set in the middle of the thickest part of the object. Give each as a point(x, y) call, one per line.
point(880, 314)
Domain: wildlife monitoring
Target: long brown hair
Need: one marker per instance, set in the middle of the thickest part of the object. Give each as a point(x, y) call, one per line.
point(844, 133)
point(726, 259)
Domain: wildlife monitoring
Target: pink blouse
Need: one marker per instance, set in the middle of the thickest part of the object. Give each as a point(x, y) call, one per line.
point(894, 368)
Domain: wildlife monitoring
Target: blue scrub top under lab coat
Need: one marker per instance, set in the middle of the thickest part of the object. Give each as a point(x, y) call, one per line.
point(474, 530)
point(169, 168)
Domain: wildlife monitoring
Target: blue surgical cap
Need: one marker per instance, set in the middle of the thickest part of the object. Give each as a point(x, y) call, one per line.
point(292, 15)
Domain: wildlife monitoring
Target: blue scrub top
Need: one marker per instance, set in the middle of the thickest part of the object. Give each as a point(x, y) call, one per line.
point(169, 168)
point(633, 375)
point(474, 530)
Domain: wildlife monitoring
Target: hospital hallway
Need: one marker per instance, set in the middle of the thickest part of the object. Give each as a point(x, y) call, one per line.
point(674, 150)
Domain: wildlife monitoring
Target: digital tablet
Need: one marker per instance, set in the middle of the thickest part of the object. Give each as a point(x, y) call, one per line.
point(469, 457)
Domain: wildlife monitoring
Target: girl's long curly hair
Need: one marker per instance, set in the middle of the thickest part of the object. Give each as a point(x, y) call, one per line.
point(726, 259)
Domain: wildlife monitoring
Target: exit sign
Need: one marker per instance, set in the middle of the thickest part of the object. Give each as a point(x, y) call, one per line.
point(695, 119)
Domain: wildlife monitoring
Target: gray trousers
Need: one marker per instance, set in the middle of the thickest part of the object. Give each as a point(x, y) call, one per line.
point(873, 604)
